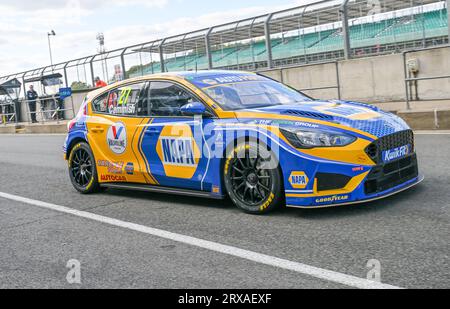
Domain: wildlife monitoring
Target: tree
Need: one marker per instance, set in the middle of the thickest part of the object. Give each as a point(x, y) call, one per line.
point(79, 86)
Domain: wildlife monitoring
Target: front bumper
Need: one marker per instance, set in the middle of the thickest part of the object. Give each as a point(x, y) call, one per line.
point(368, 183)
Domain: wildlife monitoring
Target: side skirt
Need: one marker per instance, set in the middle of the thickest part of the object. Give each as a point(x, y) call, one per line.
point(156, 189)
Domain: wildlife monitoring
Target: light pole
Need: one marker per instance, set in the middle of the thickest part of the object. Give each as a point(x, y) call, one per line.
point(102, 51)
point(51, 33)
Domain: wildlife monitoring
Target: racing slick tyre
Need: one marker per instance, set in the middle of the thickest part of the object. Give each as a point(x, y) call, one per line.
point(82, 169)
point(252, 178)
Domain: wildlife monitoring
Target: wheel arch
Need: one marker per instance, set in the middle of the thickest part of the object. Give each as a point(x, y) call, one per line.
point(72, 143)
point(246, 138)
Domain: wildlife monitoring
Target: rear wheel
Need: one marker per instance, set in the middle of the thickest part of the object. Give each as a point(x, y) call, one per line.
point(253, 179)
point(82, 169)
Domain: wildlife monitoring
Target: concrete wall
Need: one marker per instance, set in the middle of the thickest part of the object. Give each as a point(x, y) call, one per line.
point(434, 62)
point(374, 79)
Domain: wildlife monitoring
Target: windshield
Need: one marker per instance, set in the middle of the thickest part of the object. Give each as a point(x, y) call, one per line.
point(253, 94)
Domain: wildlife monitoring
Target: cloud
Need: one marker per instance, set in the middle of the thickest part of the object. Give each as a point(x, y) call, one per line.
point(26, 29)
point(32, 5)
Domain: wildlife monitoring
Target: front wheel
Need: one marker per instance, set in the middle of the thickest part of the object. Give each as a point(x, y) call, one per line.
point(82, 169)
point(253, 178)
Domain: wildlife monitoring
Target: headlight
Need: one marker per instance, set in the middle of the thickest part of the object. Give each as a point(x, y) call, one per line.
point(313, 139)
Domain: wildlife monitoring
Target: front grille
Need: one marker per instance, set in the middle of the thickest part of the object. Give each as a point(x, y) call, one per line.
point(387, 176)
point(399, 139)
point(327, 181)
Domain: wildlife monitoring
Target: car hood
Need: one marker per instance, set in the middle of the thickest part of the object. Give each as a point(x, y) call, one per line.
point(360, 116)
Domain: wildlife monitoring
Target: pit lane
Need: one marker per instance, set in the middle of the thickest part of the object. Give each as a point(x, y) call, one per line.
point(407, 233)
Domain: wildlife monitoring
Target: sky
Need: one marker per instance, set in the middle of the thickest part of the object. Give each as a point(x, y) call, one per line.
point(24, 24)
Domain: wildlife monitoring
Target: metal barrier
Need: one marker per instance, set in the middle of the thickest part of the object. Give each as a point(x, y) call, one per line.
point(7, 112)
point(48, 109)
point(240, 45)
point(409, 79)
point(337, 86)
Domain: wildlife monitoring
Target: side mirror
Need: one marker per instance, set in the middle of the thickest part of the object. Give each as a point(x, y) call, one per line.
point(195, 108)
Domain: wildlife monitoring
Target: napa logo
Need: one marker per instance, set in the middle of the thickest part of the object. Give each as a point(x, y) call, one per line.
point(178, 151)
point(117, 138)
point(396, 153)
point(298, 180)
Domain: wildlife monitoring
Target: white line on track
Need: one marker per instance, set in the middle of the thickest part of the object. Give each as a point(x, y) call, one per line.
point(312, 271)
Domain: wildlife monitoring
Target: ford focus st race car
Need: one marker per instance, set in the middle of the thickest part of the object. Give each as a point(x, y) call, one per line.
point(241, 135)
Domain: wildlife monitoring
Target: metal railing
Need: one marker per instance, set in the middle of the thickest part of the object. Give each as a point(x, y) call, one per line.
point(200, 48)
point(48, 109)
point(410, 80)
point(7, 112)
point(336, 86)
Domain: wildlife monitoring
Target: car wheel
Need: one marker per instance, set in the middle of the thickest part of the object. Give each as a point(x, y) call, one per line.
point(82, 169)
point(252, 178)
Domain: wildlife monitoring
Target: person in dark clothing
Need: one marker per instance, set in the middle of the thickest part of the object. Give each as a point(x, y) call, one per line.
point(32, 97)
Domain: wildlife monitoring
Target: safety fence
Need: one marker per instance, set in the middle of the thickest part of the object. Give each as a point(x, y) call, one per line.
point(322, 31)
point(48, 109)
point(8, 111)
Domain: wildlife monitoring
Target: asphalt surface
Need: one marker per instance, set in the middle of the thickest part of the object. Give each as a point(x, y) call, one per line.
point(407, 233)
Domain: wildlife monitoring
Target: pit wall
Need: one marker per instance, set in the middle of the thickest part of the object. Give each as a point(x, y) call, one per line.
point(373, 80)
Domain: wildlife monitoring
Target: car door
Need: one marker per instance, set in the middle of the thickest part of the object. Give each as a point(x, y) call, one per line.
point(172, 143)
point(112, 134)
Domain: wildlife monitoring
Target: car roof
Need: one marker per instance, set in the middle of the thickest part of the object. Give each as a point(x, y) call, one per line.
point(181, 74)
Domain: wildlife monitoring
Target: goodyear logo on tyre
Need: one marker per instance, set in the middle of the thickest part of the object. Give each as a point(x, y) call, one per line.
point(298, 180)
point(178, 151)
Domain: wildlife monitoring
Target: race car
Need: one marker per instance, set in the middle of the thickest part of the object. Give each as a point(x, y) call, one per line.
point(220, 134)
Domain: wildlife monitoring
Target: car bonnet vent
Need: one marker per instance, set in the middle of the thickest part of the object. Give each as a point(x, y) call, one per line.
point(308, 114)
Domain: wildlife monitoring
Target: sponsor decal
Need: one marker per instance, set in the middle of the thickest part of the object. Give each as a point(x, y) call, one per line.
point(117, 138)
point(332, 199)
point(129, 168)
point(215, 190)
point(178, 151)
point(113, 178)
point(299, 180)
point(236, 79)
point(358, 169)
point(396, 153)
point(113, 167)
point(268, 202)
point(129, 109)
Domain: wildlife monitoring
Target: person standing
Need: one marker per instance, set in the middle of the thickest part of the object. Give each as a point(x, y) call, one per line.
point(99, 83)
point(32, 97)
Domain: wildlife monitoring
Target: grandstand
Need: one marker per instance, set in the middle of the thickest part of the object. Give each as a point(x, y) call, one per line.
point(317, 32)
point(377, 34)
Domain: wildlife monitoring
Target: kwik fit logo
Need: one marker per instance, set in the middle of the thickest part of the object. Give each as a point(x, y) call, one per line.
point(396, 153)
point(117, 138)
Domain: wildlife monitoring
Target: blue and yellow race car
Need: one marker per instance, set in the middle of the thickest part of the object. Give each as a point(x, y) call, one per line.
point(240, 135)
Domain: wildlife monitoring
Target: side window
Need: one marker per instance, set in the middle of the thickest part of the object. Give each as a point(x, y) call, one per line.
point(125, 100)
point(166, 99)
point(143, 107)
point(99, 105)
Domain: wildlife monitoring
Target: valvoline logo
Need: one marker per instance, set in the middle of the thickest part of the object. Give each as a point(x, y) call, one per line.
point(117, 138)
point(396, 153)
